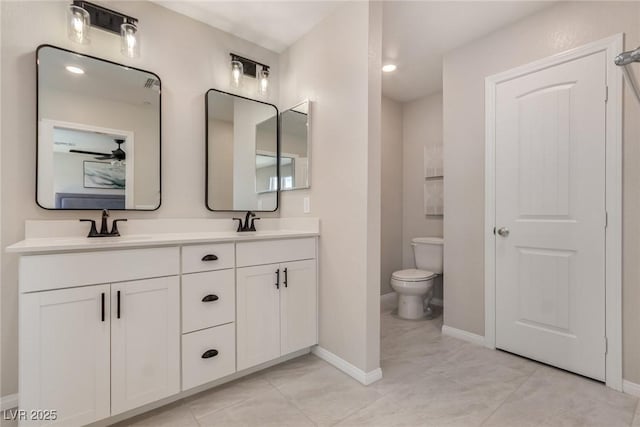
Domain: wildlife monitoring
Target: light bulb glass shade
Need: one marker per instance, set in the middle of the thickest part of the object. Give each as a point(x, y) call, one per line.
point(129, 41)
point(263, 82)
point(236, 74)
point(78, 24)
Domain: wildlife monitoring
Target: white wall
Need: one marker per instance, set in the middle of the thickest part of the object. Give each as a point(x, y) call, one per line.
point(556, 29)
point(189, 57)
point(421, 127)
point(314, 68)
point(391, 242)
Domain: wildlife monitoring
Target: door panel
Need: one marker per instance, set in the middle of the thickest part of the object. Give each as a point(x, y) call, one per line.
point(258, 315)
point(145, 342)
point(550, 194)
point(64, 363)
point(298, 304)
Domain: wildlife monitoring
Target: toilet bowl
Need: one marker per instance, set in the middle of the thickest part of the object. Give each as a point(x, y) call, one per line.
point(414, 286)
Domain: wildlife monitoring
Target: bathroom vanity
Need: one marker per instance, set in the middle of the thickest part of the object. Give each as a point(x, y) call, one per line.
point(113, 324)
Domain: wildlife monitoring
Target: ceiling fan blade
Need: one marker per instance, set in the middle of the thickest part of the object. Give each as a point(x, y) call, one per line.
point(90, 153)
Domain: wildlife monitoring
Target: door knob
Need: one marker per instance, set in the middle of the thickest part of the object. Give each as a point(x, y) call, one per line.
point(503, 231)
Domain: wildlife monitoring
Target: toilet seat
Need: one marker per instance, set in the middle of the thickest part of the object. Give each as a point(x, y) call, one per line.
point(413, 275)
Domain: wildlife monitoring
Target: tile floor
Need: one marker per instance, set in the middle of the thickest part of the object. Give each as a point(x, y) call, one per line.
point(429, 380)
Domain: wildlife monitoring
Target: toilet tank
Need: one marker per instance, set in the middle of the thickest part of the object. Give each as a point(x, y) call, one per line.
point(427, 252)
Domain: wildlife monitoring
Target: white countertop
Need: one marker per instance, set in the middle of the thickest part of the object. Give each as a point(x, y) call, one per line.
point(39, 242)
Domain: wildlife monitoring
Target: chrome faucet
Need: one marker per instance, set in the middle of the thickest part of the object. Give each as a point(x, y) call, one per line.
point(247, 226)
point(104, 227)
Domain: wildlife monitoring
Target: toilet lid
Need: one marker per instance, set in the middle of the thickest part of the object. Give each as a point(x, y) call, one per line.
point(412, 275)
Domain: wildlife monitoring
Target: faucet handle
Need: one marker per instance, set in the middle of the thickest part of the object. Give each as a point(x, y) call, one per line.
point(94, 231)
point(253, 226)
point(239, 224)
point(114, 226)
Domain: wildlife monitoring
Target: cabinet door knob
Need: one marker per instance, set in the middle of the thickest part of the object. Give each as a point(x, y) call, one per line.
point(210, 257)
point(286, 278)
point(278, 279)
point(210, 298)
point(209, 354)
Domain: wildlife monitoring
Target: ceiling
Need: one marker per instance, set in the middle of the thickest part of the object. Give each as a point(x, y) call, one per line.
point(416, 35)
point(274, 25)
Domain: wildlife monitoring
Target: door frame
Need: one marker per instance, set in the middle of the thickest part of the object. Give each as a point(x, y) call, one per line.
point(613, 198)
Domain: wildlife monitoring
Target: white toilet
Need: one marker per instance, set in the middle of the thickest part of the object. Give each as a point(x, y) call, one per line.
point(413, 286)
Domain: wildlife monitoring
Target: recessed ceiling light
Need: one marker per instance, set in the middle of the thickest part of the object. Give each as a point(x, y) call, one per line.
point(74, 70)
point(389, 68)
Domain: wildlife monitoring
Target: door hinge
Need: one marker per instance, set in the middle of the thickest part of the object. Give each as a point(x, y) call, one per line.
point(606, 345)
point(494, 231)
point(606, 94)
point(606, 219)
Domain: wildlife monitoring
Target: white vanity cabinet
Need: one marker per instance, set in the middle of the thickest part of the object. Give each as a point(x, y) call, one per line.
point(277, 302)
point(65, 353)
point(145, 342)
point(109, 330)
point(208, 313)
point(92, 351)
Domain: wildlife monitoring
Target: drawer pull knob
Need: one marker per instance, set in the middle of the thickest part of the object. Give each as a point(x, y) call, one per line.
point(210, 298)
point(209, 354)
point(210, 257)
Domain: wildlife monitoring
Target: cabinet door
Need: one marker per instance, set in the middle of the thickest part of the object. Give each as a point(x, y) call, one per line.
point(64, 353)
point(258, 315)
point(298, 306)
point(145, 342)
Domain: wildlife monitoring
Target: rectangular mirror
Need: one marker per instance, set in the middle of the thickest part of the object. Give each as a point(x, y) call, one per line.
point(295, 147)
point(242, 153)
point(98, 133)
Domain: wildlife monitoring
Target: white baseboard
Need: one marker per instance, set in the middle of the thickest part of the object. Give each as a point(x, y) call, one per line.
point(463, 335)
point(9, 401)
point(365, 378)
point(631, 388)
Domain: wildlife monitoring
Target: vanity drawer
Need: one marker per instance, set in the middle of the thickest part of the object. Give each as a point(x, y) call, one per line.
point(208, 355)
point(208, 299)
point(66, 270)
point(207, 257)
point(275, 251)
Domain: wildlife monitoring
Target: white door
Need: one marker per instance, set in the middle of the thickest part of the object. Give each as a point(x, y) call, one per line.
point(258, 315)
point(298, 306)
point(145, 342)
point(550, 215)
point(64, 363)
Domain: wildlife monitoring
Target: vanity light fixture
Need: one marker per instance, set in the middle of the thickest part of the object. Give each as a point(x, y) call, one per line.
point(129, 43)
point(387, 68)
point(83, 14)
point(241, 66)
point(263, 82)
point(74, 69)
point(78, 23)
point(236, 74)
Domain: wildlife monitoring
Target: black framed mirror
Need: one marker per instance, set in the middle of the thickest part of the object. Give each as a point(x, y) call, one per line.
point(98, 133)
point(242, 152)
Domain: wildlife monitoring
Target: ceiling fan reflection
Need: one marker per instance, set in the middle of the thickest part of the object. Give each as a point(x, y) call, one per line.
point(117, 154)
